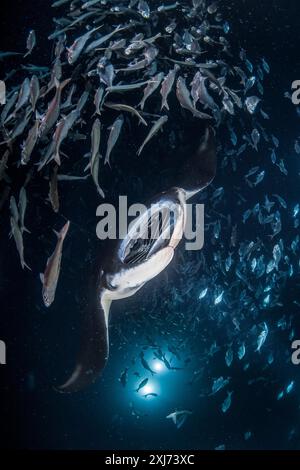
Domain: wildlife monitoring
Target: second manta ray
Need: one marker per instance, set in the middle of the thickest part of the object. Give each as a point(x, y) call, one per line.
point(137, 259)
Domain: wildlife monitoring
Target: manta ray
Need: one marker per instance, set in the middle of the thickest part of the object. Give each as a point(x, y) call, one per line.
point(136, 260)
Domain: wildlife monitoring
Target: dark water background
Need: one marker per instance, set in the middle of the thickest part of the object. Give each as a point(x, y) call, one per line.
point(42, 344)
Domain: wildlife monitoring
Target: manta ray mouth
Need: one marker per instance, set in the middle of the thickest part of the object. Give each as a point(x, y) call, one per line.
point(150, 232)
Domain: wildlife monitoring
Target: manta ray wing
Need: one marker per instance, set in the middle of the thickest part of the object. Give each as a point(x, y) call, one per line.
point(200, 169)
point(94, 349)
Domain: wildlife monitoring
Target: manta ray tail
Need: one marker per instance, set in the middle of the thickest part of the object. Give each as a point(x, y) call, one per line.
point(94, 350)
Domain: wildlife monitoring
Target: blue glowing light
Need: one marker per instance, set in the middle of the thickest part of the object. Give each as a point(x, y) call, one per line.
point(158, 366)
point(148, 389)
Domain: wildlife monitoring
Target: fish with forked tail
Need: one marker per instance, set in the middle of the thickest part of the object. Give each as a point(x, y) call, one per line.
point(52, 271)
point(155, 128)
point(142, 385)
point(52, 114)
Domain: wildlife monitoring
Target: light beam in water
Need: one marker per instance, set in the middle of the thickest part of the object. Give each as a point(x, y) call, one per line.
point(158, 366)
point(148, 389)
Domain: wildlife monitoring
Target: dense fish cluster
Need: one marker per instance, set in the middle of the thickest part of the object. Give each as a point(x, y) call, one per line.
point(138, 60)
point(102, 52)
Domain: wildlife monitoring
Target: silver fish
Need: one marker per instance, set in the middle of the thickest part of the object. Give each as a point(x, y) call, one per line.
point(62, 129)
point(99, 99)
point(228, 104)
point(52, 114)
point(31, 42)
point(251, 103)
point(9, 105)
point(118, 44)
point(126, 108)
point(100, 41)
point(106, 72)
point(47, 156)
point(95, 155)
point(68, 103)
point(23, 95)
point(123, 88)
point(22, 206)
point(18, 237)
point(255, 136)
point(199, 92)
point(115, 130)
point(151, 87)
point(227, 402)
point(20, 126)
point(3, 166)
point(144, 9)
point(236, 99)
point(53, 190)
point(30, 142)
point(259, 178)
point(95, 175)
point(134, 66)
point(58, 33)
point(213, 7)
point(34, 91)
point(56, 74)
point(155, 128)
point(71, 178)
point(179, 417)
point(77, 47)
point(82, 101)
point(51, 275)
point(167, 86)
point(163, 7)
point(262, 337)
point(142, 384)
point(60, 45)
point(14, 211)
point(58, 3)
point(5, 54)
point(89, 4)
point(183, 96)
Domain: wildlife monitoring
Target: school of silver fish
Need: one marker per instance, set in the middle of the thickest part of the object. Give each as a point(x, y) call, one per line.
point(104, 50)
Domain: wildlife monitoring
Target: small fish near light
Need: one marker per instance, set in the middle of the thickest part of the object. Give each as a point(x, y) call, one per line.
point(148, 389)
